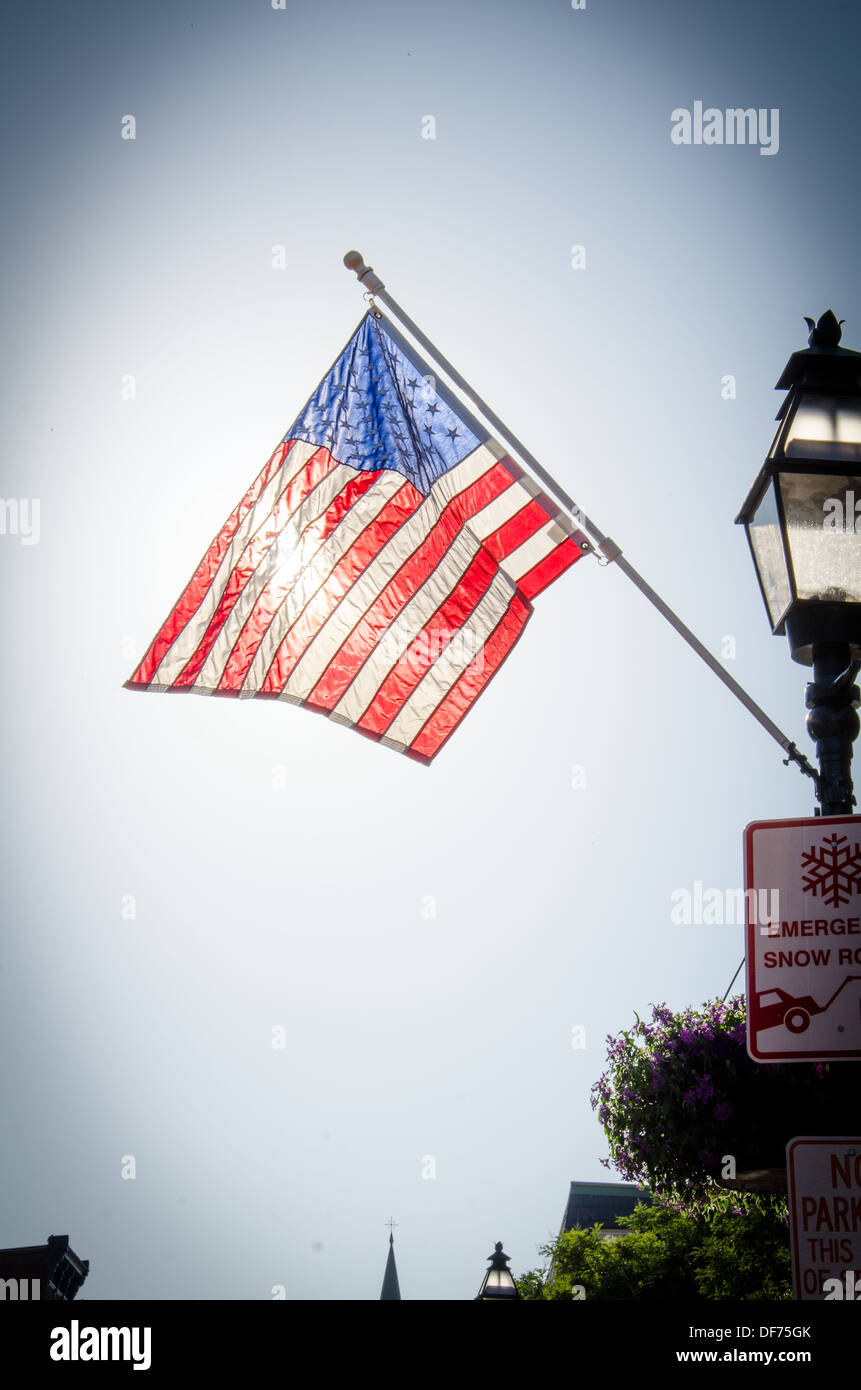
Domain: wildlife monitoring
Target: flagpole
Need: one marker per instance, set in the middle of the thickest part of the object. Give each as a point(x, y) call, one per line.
point(612, 553)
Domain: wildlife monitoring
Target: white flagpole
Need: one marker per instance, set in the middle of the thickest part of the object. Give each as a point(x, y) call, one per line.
point(609, 549)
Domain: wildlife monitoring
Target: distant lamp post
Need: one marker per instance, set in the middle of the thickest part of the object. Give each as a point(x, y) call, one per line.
point(498, 1282)
point(803, 522)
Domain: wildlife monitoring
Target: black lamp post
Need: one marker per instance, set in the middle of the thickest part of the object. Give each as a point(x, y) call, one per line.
point(800, 518)
point(498, 1282)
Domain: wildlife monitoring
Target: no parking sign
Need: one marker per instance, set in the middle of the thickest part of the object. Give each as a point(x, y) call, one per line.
point(824, 1182)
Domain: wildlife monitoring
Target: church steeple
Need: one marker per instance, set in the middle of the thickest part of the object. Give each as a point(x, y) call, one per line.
point(391, 1288)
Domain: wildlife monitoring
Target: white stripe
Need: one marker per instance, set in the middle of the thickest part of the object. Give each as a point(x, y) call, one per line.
point(340, 623)
point(450, 664)
point(396, 639)
point(500, 510)
point(357, 520)
point(521, 560)
point(283, 550)
point(186, 642)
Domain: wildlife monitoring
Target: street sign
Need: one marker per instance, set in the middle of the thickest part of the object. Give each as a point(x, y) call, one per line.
point(803, 954)
point(824, 1178)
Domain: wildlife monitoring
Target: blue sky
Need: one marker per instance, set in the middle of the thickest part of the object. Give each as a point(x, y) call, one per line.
point(427, 939)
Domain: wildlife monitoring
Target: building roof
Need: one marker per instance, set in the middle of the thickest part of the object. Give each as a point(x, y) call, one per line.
point(591, 1203)
point(59, 1270)
point(391, 1289)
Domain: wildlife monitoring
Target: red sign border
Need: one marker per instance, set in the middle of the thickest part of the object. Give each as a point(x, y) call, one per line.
point(790, 1187)
point(749, 967)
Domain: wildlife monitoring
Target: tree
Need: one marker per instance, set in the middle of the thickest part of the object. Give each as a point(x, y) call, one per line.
point(668, 1255)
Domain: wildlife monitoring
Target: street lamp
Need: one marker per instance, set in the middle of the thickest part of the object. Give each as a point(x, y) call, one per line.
point(498, 1281)
point(800, 517)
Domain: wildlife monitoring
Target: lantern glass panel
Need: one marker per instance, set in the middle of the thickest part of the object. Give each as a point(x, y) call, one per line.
point(499, 1283)
point(824, 427)
point(825, 547)
point(767, 545)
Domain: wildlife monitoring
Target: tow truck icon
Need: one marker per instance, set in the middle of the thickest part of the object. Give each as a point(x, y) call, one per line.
point(775, 1007)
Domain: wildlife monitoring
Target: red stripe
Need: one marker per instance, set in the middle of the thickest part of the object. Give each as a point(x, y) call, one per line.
point(521, 475)
point(274, 593)
point(402, 680)
point(319, 464)
point(548, 569)
point(472, 682)
point(506, 539)
point(355, 650)
point(366, 545)
point(198, 585)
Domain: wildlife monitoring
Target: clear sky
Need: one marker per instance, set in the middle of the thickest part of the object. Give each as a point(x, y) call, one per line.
point(427, 939)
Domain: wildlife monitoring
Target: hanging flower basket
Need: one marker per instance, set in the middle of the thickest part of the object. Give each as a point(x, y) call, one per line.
point(770, 1180)
point(687, 1111)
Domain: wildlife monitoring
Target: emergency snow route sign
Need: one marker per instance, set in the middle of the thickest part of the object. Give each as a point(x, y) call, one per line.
point(824, 1184)
point(803, 953)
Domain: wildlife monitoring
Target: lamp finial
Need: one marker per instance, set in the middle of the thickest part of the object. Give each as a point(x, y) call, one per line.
point(827, 332)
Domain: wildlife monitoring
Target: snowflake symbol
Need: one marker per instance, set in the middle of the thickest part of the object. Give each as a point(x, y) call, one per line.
point(832, 870)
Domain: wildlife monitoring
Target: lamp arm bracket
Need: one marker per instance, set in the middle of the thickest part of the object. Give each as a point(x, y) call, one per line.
point(793, 756)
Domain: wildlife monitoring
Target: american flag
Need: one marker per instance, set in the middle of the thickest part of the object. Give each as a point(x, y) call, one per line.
point(381, 566)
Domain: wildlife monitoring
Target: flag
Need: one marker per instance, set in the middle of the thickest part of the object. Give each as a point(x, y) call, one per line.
point(381, 566)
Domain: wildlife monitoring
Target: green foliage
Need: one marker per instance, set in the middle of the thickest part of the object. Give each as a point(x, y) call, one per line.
point(669, 1255)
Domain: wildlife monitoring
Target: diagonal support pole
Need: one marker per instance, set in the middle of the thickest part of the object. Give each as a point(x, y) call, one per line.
point(609, 549)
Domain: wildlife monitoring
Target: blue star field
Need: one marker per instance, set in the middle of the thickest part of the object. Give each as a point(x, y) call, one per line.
point(375, 409)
